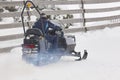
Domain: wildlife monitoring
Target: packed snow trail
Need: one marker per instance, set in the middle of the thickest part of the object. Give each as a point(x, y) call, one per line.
point(102, 62)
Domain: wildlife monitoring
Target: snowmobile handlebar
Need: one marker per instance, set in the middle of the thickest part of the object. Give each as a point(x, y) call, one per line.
point(27, 4)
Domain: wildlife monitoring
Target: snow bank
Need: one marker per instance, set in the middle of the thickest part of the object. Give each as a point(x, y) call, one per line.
point(102, 63)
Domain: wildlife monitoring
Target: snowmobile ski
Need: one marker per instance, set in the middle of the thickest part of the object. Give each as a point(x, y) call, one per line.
point(84, 57)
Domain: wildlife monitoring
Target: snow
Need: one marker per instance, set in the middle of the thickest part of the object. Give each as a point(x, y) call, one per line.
point(14, 42)
point(102, 63)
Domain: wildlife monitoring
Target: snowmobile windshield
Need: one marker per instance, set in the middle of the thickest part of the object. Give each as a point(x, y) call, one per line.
point(57, 23)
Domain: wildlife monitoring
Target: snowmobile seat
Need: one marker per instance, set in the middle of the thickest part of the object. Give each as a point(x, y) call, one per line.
point(31, 40)
point(33, 31)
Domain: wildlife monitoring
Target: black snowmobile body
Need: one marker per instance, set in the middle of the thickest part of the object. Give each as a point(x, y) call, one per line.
point(37, 50)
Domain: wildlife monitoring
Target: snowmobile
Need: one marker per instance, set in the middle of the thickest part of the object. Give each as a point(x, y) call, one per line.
point(37, 50)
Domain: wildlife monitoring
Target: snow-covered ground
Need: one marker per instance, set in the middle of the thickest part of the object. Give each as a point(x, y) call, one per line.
point(102, 63)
